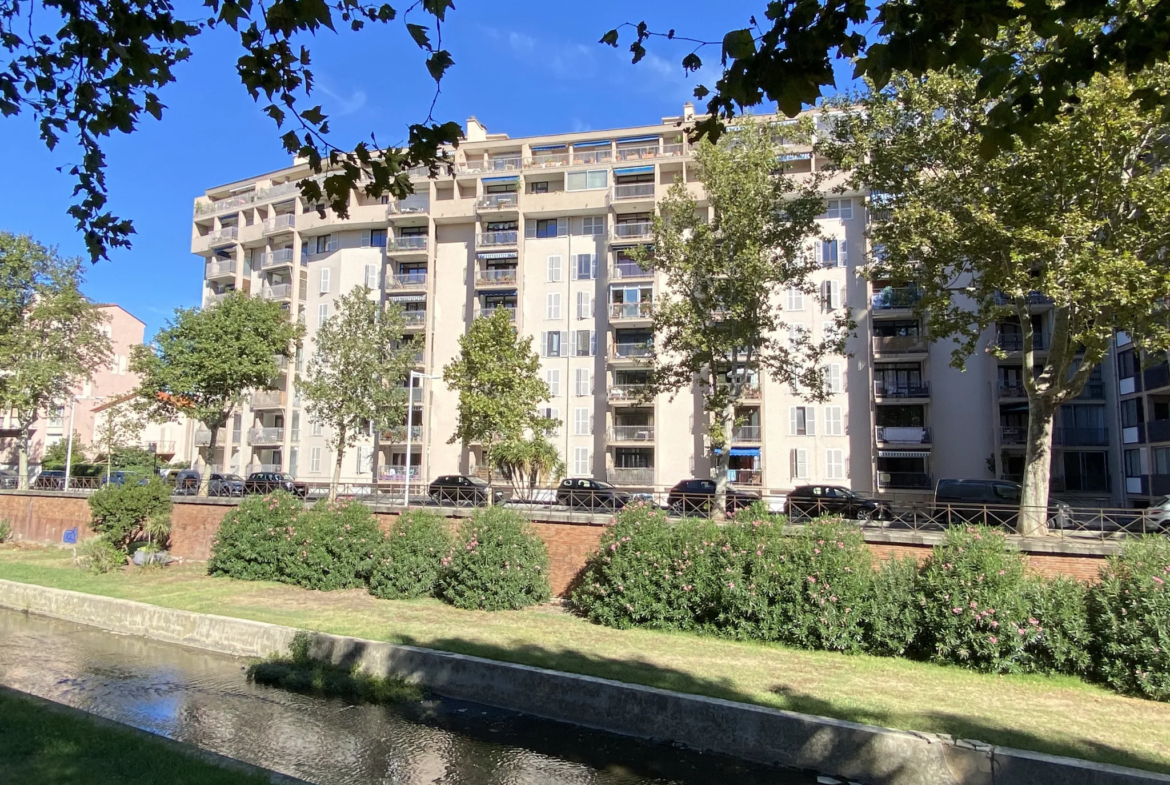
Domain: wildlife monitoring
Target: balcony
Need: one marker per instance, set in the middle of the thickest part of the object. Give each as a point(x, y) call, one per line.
point(633, 230)
point(397, 434)
point(488, 312)
point(224, 236)
point(749, 478)
point(1012, 390)
point(412, 280)
point(268, 399)
point(220, 268)
point(891, 298)
point(630, 351)
point(415, 204)
point(629, 312)
point(675, 149)
point(282, 257)
point(899, 344)
point(626, 271)
point(234, 203)
point(546, 160)
point(161, 447)
point(202, 437)
point(495, 276)
point(265, 436)
point(746, 434)
point(280, 223)
point(638, 152)
point(631, 476)
point(633, 191)
point(280, 291)
point(889, 434)
point(410, 244)
point(592, 155)
point(1081, 437)
point(914, 481)
point(626, 393)
point(631, 433)
point(1031, 298)
point(1014, 342)
point(894, 390)
point(496, 239)
point(492, 202)
point(414, 320)
point(1158, 431)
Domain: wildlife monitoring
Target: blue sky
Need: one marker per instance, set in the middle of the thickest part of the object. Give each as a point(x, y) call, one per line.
point(521, 68)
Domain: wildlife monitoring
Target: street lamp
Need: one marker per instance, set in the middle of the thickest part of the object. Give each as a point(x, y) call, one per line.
point(69, 443)
point(410, 426)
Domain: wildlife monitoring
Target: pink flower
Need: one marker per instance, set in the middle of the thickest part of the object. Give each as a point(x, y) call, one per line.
point(731, 584)
point(1158, 580)
point(816, 550)
point(811, 579)
point(956, 611)
point(1021, 630)
point(613, 547)
point(995, 625)
point(993, 639)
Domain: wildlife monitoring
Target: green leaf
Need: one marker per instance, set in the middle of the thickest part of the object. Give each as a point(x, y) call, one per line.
point(419, 34)
point(610, 38)
point(438, 63)
point(738, 44)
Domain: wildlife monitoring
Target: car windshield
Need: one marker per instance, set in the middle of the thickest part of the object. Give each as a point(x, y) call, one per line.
point(285, 477)
point(1162, 501)
point(233, 478)
point(476, 481)
point(602, 485)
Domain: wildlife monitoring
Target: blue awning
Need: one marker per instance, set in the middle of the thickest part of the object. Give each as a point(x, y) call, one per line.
point(633, 170)
point(637, 139)
point(548, 147)
point(509, 179)
point(602, 143)
point(501, 293)
point(753, 452)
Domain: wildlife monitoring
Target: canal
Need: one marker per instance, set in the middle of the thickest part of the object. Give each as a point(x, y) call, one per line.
point(204, 699)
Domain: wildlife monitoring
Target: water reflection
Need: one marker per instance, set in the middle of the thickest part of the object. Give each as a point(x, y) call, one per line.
point(204, 699)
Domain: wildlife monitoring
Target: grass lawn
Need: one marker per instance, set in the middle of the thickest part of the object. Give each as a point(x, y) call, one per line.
point(1058, 715)
point(46, 747)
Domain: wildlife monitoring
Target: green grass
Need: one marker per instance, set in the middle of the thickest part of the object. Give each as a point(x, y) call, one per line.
point(40, 745)
point(1057, 715)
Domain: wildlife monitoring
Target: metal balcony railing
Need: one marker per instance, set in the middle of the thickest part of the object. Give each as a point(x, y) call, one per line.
point(746, 477)
point(265, 435)
point(633, 230)
point(891, 389)
point(411, 205)
point(495, 239)
point(890, 297)
point(1014, 342)
point(280, 291)
point(161, 447)
point(220, 267)
point(1031, 298)
point(891, 434)
point(543, 160)
point(898, 344)
point(631, 476)
point(630, 350)
point(280, 223)
point(625, 392)
point(268, 399)
point(1081, 437)
point(225, 235)
point(631, 433)
point(593, 155)
point(639, 310)
point(396, 434)
point(637, 152)
point(633, 191)
point(627, 270)
point(267, 468)
point(414, 318)
point(202, 437)
point(1012, 390)
point(495, 275)
point(674, 149)
point(277, 258)
point(415, 280)
point(746, 433)
point(1013, 435)
point(509, 309)
point(507, 201)
point(414, 242)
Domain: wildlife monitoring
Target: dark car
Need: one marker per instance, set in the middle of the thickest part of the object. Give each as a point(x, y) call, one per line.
point(187, 482)
point(121, 478)
point(267, 482)
point(51, 480)
point(589, 494)
point(691, 497)
point(993, 502)
point(809, 501)
point(461, 489)
point(225, 485)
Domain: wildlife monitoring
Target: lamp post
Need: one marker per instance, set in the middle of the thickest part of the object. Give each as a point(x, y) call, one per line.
point(410, 427)
point(69, 442)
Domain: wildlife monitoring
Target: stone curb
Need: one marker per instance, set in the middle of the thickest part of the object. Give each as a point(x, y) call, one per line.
point(864, 753)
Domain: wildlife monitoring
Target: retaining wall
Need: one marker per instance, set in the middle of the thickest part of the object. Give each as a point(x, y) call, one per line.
point(44, 516)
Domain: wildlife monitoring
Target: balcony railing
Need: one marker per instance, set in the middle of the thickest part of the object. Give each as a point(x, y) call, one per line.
point(1012, 390)
point(267, 468)
point(415, 242)
point(243, 200)
point(268, 399)
point(633, 191)
point(890, 434)
point(898, 344)
point(227, 234)
point(413, 394)
point(904, 297)
point(161, 447)
point(203, 437)
point(674, 149)
point(1031, 298)
point(626, 270)
point(280, 291)
point(411, 205)
point(631, 350)
point(495, 275)
point(1013, 434)
point(593, 155)
point(215, 298)
point(633, 230)
point(626, 476)
point(544, 160)
point(221, 267)
point(1081, 437)
point(631, 433)
point(1014, 342)
point(265, 436)
point(619, 393)
point(416, 280)
point(1158, 431)
point(280, 223)
point(639, 310)
point(635, 153)
point(508, 309)
point(883, 389)
point(414, 318)
point(397, 434)
point(904, 480)
point(749, 477)
point(746, 433)
point(495, 239)
point(277, 258)
point(507, 201)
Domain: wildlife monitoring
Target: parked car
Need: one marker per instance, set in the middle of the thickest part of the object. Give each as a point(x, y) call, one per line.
point(461, 489)
point(991, 502)
point(187, 482)
point(809, 501)
point(267, 482)
point(225, 485)
point(9, 480)
point(691, 497)
point(121, 478)
point(590, 494)
point(50, 480)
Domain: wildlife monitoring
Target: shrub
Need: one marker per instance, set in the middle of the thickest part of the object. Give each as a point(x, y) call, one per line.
point(1129, 614)
point(500, 564)
point(254, 541)
point(408, 563)
point(5, 530)
point(99, 556)
point(121, 513)
point(974, 612)
point(1061, 606)
point(333, 547)
point(891, 614)
point(649, 571)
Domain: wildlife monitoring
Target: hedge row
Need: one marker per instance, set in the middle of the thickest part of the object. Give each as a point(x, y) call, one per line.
point(496, 562)
point(972, 602)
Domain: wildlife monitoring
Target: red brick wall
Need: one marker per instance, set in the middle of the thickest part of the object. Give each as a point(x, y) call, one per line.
point(42, 517)
point(193, 527)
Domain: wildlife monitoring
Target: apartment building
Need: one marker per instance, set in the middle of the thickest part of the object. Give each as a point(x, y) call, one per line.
point(1143, 390)
point(543, 228)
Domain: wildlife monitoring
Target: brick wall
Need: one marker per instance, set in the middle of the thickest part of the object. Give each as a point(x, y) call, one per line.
point(44, 517)
point(1083, 567)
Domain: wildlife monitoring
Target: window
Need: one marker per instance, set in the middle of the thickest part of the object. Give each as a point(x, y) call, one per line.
point(378, 238)
point(795, 300)
point(834, 465)
point(585, 343)
point(593, 224)
point(325, 243)
point(838, 208)
point(834, 425)
point(1131, 413)
point(584, 381)
point(553, 306)
point(315, 457)
point(796, 333)
point(372, 276)
point(799, 461)
point(540, 187)
point(802, 421)
point(553, 343)
point(316, 428)
point(830, 331)
point(831, 295)
point(581, 461)
point(554, 269)
point(584, 305)
point(552, 377)
point(833, 377)
point(582, 422)
point(325, 280)
point(1133, 463)
point(1162, 460)
point(546, 228)
point(584, 181)
point(585, 267)
point(1126, 367)
point(322, 314)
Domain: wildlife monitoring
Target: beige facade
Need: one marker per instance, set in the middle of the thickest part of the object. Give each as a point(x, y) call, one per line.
point(540, 226)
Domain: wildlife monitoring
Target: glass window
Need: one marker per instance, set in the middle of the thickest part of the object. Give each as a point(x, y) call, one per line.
point(378, 238)
point(581, 181)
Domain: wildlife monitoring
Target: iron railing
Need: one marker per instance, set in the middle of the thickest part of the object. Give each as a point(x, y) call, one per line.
point(633, 190)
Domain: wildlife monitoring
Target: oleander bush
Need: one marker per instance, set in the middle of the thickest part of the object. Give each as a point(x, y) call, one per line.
point(1060, 605)
point(1129, 615)
point(128, 512)
point(891, 615)
point(333, 546)
point(409, 562)
point(5, 530)
point(255, 540)
point(499, 563)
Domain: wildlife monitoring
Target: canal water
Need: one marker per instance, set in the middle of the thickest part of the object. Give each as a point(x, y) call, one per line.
point(204, 699)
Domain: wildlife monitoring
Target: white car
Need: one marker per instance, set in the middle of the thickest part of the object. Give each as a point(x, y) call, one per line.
point(1158, 513)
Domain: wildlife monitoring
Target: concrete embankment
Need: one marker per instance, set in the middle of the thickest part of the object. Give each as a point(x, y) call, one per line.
point(864, 753)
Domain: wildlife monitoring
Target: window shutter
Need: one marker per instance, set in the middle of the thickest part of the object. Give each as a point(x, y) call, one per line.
point(842, 253)
point(810, 421)
point(572, 269)
point(371, 276)
point(554, 269)
point(365, 238)
point(793, 421)
point(562, 227)
point(592, 343)
point(582, 305)
point(573, 344)
point(820, 252)
point(802, 464)
point(593, 267)
point(564, 345)
point(543, 343)
point(324, 280)
point(792, 470)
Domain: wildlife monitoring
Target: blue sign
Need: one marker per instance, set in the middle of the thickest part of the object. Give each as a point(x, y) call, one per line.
point(70, 536)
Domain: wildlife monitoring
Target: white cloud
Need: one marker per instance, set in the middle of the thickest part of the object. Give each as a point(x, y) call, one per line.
point(341, 106)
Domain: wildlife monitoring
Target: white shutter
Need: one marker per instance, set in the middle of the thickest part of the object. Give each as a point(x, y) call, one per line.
point(834, 377)
point(593, 267)
point(553, 305)
point(365, 238)
point(371, 276)
point(793, 421)
point(562, 227)
point(834, 465)
point(842, 253)
point(324, 280)
point(573, 343)
point(810, 421)
point(563, 348)
point(582, 381)
point(802, 464)
point(554, 269)
point(820, 251)
point(322, 314)
point(593, 343)
point(552, 377)
point(833, 421)
point(582, 305)
point(581, 422)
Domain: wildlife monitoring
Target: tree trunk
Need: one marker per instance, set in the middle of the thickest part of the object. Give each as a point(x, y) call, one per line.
point(22, 459)
point(205, 476)
point(722, 461)
point(1033, 520)
point(337, 464)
